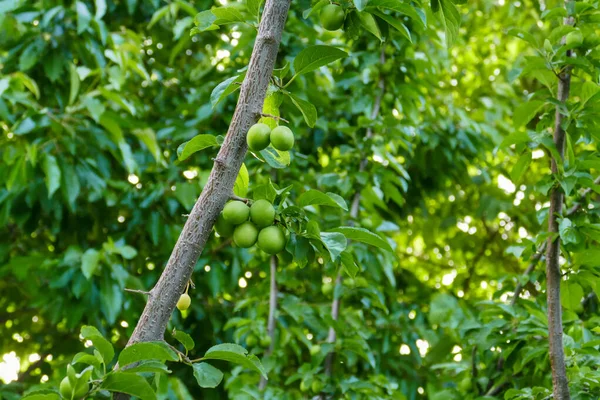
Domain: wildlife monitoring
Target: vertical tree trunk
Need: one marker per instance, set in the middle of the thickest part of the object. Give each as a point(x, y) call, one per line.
point(272, 311)
point(553, 274)
point(354, 209)
point(163, 297)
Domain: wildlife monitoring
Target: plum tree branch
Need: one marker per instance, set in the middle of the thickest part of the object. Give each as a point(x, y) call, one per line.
point(272, 311)
point(560, 383)
point(196, 231)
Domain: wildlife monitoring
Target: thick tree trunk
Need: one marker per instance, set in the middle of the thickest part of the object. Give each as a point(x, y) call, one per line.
point(553, 274)
point(163, 297)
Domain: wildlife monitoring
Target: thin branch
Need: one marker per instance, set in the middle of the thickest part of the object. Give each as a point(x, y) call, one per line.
point(238, 198)
point(137, 291)
point(272, 310)
point(275, 117)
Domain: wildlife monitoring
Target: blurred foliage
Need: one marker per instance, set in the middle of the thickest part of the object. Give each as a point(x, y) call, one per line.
point(96, 98)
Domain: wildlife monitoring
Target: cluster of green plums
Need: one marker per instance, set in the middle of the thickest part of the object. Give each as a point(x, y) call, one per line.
point(251, 225)
point(332, 17)
point(260, 136)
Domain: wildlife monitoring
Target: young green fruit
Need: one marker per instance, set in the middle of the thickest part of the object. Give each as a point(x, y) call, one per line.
point(251, 340)
point(224, 228)
point(271, 240)
point(262, 213)
point(282, 138)
point(332, 17)
point(304, 386)
point(465, 385)
point(258, 137)
point(245, 235)
point(184, 302)
point(315, 349)
point(67, 392)
point(316, 386)
point(327, 289)
point(265, 341)
point(236, 212)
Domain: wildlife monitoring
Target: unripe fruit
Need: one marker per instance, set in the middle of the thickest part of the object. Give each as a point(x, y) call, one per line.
point(262, 213)
point(332, 17)
point(258, 137)
point(265, 341)
point(315, 349)
point(304, 386)
point(236, 212)
point(574, 39)
point(251, 340)
point(327, 289)
point(224, 228)
point(184, 302)
point(282, 138)
point(66, 390)
point(465, 385)
point(316, 386)
point(245, 235)
point(271, 240)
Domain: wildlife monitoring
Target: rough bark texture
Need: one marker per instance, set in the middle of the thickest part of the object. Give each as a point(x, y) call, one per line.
point(560, 383)
point(272, 311)
point(163, 297)
point(354, 209)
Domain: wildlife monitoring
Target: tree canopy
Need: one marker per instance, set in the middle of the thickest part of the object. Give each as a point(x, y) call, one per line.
point(415, 204)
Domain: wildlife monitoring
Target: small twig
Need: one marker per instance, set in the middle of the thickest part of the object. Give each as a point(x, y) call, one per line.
point(183, 356)
point(137, 291)
point(275, 117)
point(238, 198)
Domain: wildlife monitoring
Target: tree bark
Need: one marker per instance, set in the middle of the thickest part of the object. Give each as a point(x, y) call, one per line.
point(560, 383)
point(354, 209)
point(163, 297)
point(272, 311)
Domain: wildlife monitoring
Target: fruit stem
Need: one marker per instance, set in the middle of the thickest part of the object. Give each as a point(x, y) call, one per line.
point(275, 117)
point(238, 198)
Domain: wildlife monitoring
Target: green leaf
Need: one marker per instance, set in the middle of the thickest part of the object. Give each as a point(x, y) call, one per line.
point(308, 110)
point(129, 383)
point(571, 295)
point(524, 35)
point(334, 242)
point(449, 17)
point(52, 172)
point(199, 142)
point(401, 7)
point(225, 88)
point(206, 375)
point(104, 347)
point(236, 354)
point(315, 197)
point(89, 262)
point(95, 107)
point(253, 7)
point(516, 174)
point(369, 23)
point(100, 8)
point(313, 57)
point(205, 21)
point(265, 191)
point(31, 55)
point(183, 338)
point(317, 7)
point(275, 158)
point(158, 15)
point(150, 366)
point(147, 351)
point(525, 112)
point(75, 83)
point(83, 17)
point(41, 395)
point(240, 187)
point(148, 137)
point(361, 4)
point(394, 23)
point(349, 264)
point(364, 236)
point(227, 15)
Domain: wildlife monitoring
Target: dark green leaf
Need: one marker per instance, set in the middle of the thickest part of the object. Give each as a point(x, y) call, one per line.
point(206, 375)
point(129, 383)
point(147, 351)
point(199, 142)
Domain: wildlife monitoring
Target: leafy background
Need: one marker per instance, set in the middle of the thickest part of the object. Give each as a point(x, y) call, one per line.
point(97, 97)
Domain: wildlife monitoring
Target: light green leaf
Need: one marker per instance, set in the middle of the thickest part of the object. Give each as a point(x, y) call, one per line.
point(315, 197)
point(525, 112)
point(275, 158)
point(225, 88)
point(253, 7)
point(150, 366)
point(204, 21)
point(236, 354)
point(361, 4)
point(394, 23)
point(240, 187)
point(449, 17)
point(89, 262)
point(364, 236)
point(349, 264)
point(52, 172)
point(41, 394)
point(317, 7)
point(75, 83)
point(308, 110)
point(401, 7)
point(129, 383)
point(227, 15)
point(313, 57)
point(199, 142)
point(334, 242)
point(206, 375)
point(369, 23)
point(28, 83)
point(31, 55)
point(516, 174)
point(104, 347)
point(183, 338)
point(571, 295)
point(148, 137)
point(147, 351)
point(83, 17)
point(100, 8)
point(158, 15)
point(95, 107)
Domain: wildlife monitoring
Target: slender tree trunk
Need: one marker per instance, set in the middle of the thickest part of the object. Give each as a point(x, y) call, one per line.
point(553, 274)
point(272, 311)
point(163, 297)
point(354, 209)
